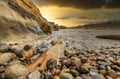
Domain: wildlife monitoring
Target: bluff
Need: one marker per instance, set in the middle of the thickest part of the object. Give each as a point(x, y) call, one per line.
point(20, 18)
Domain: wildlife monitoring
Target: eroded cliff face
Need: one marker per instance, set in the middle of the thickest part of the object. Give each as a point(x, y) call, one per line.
point(21, 17)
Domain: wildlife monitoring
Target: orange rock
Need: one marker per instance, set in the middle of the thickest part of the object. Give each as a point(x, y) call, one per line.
point(101, 76)
point(28, 54)
point(117, 62)
point(56, 77)
point(111, 72)
point(55, 52)
point(84, 59)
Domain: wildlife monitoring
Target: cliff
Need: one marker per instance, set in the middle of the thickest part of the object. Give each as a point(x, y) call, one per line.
point(21, 17)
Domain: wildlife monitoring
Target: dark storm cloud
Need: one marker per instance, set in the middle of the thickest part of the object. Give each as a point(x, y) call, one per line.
point(84, 4)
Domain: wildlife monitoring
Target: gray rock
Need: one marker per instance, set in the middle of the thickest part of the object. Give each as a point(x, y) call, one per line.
point(18, 51)
point(66, 76)
point(102, 67)
point(102, 63)
point(15, 71)
point(27, 47)
point(108, 77)
point(118, 74)
point(84, 69)
point(4, 47)
point(94, 75)
point(108, 62)
point(34, 75)
point(41, 48)
point(48, 76)
point(51, 64)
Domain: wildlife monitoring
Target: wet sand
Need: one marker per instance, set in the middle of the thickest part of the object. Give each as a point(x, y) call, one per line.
point(87, 38)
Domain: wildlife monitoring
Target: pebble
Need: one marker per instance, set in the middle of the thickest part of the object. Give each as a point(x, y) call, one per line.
point(51, 64)
point(94, 75)
point(66, 76)
point(34, 75)
point(56, 77)
point(18, 51)
point(6, 57)
point(48, 76)
point(118, 74)
point(2, 69)
point(74, 73)
point(27, 47)
point(111, 72)
point(85, 68)
point(4, 47)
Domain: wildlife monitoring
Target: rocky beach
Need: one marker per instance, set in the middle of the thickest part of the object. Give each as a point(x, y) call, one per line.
point(60, 56)
point(31, 47)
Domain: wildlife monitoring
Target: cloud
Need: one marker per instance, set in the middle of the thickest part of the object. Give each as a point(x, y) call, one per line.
point(81, 4)
point(84, 17)
point(63, 18)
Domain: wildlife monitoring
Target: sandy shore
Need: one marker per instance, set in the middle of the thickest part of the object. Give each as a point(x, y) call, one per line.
point(82, 38)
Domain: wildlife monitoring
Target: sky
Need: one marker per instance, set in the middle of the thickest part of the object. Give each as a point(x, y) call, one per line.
point(79, 12)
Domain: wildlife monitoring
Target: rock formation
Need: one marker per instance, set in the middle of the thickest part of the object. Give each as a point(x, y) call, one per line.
point(21, 17)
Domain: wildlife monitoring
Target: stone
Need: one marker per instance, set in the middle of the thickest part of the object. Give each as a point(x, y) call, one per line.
point(42, 47)
point(85, 68)
point(118, 74)
point(108, 77)
point(102, 76)
point(34, 75)
point(51, 64)
point(16, 70)
point(74, 73)
point(4, 47)
point(18, 51)
point(78, 78)
point(117, 62)
point(27, 54)
point(27, 47)
point(66, 76)
point(115, 67)
point(56, 77)
point(6, 57)
point(102, 63)
point(104, 72)
point(2, 69)
point(84, 59)
point(108, 62)
point(111, 72)
point(2, 76)
point(94, 75)
point(102, 67)
point(48, 76)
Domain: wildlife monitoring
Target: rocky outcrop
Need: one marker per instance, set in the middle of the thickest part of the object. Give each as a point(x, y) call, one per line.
point(21, 17)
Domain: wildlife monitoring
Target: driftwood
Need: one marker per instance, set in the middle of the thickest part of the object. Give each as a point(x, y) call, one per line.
point(55, 52)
